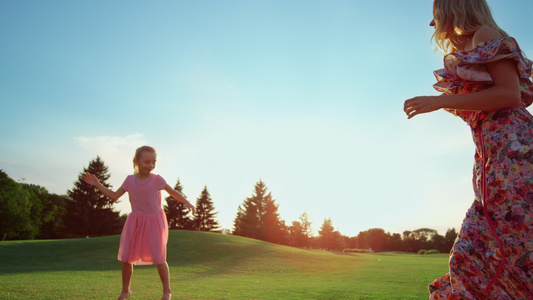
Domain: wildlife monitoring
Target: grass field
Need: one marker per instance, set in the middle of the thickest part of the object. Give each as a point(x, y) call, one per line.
point(212, 266)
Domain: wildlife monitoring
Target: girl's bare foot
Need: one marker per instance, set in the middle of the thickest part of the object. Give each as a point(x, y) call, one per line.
point(166, 296)
point(125, 295)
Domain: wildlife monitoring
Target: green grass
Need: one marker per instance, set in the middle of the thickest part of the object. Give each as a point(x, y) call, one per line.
point(212, 266)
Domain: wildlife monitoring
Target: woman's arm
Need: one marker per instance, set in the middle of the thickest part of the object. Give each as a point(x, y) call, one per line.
point(93, 180)
point(505, 91)
point(180, 198)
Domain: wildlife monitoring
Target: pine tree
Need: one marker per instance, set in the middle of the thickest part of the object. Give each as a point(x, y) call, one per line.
point(204, 220)
point(330, 238)
point(239, 223)
point(90, 213)
point(248, 221)
point(258, 217)
point(275, 229)
point(177, 212)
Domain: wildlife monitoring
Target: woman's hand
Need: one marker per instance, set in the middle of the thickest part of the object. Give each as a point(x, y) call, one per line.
point(422, 105)
point(90, 179)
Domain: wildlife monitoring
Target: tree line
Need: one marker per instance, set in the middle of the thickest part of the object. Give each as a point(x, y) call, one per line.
point(258, 218)
point(29, 211)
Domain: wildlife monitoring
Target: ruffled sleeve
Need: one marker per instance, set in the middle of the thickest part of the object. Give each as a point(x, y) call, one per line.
point(466, 72)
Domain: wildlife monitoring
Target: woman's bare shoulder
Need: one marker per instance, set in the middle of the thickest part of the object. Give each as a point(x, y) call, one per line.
point(485, 33)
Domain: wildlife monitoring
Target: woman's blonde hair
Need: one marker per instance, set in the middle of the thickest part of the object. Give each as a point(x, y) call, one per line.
point(138, 154)
point(457, 18)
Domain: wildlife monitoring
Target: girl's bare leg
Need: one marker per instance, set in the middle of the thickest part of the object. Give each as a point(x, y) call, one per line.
point(164, 274)
point(127, 272)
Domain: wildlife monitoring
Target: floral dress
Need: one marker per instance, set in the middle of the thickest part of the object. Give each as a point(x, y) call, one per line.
point(492, 257)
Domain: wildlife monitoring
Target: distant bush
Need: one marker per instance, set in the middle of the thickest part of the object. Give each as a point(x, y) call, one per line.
point(356, 250)
point(432, 251)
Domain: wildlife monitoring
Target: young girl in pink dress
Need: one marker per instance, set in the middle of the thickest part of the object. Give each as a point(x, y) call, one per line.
point(145, 233)
point(487, 83)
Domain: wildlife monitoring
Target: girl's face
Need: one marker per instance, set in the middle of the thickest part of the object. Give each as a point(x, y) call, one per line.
point(146, 163)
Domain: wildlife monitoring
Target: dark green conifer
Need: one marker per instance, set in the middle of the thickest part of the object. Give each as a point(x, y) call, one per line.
point(177, 212)
point(205, 218)
point(89, 212)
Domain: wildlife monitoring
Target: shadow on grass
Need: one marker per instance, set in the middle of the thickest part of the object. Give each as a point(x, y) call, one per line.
point(214, 253)
point(59, 255)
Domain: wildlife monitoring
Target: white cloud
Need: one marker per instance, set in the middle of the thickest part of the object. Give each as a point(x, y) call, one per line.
point(111, 145)
point(117, 153)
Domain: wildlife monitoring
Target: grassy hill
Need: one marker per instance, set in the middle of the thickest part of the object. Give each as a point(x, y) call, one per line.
point(212, 266)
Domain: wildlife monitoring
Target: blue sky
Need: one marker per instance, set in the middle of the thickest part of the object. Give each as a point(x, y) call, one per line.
point(305, 95)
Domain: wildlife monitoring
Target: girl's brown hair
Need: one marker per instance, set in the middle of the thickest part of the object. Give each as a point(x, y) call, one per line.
point(457, 18)
point(138, 154)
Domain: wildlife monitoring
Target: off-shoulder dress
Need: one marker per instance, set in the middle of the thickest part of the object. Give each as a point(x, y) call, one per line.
point(492, 257)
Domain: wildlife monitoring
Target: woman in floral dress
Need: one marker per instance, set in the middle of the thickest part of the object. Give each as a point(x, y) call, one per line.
point(486, 81)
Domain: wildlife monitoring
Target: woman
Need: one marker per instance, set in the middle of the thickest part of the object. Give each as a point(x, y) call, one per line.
point(487, 82)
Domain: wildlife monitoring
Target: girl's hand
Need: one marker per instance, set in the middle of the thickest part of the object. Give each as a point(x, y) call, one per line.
point(421, 105)
point(191, 208)
point(90, 179)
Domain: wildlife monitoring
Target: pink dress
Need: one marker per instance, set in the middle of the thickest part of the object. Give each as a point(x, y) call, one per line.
point(492, 257)
point(145, 233)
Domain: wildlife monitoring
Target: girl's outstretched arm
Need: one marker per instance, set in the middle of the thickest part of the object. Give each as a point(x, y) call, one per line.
point(180, 198)
point(93, 180)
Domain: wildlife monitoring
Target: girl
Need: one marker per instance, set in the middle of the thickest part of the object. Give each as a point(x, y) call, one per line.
point(486, 82)
point(145, 233)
